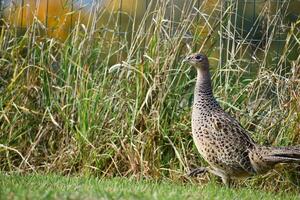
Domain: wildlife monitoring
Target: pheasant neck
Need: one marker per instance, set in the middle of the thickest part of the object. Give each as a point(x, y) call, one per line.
point(203, 91)
point(203, 84)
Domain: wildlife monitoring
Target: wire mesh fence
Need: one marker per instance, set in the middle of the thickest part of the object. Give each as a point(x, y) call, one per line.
point(259, 31)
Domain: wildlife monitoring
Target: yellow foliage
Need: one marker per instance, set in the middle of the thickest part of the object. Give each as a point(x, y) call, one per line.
point(58, 17)
point(55, 16)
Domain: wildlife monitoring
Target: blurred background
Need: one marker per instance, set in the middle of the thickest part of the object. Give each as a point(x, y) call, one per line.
point(250, 20)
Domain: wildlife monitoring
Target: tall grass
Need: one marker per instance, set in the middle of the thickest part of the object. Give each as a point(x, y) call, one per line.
point(110, 102)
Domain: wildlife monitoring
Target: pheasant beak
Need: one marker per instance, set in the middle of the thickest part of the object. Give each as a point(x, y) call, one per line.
point(187, 59)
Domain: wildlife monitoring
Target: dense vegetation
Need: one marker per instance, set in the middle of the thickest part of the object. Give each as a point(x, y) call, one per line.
point(109, 103)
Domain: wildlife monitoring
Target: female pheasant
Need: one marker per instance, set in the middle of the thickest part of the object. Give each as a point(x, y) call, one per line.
point(222, 141)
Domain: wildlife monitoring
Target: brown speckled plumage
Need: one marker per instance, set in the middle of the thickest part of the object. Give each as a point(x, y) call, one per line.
point(222, 141)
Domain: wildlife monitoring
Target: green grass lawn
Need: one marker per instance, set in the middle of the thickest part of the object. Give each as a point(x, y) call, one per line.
point(60, 187)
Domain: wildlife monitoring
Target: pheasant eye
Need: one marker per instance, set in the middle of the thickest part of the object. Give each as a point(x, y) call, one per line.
point(198, 57)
